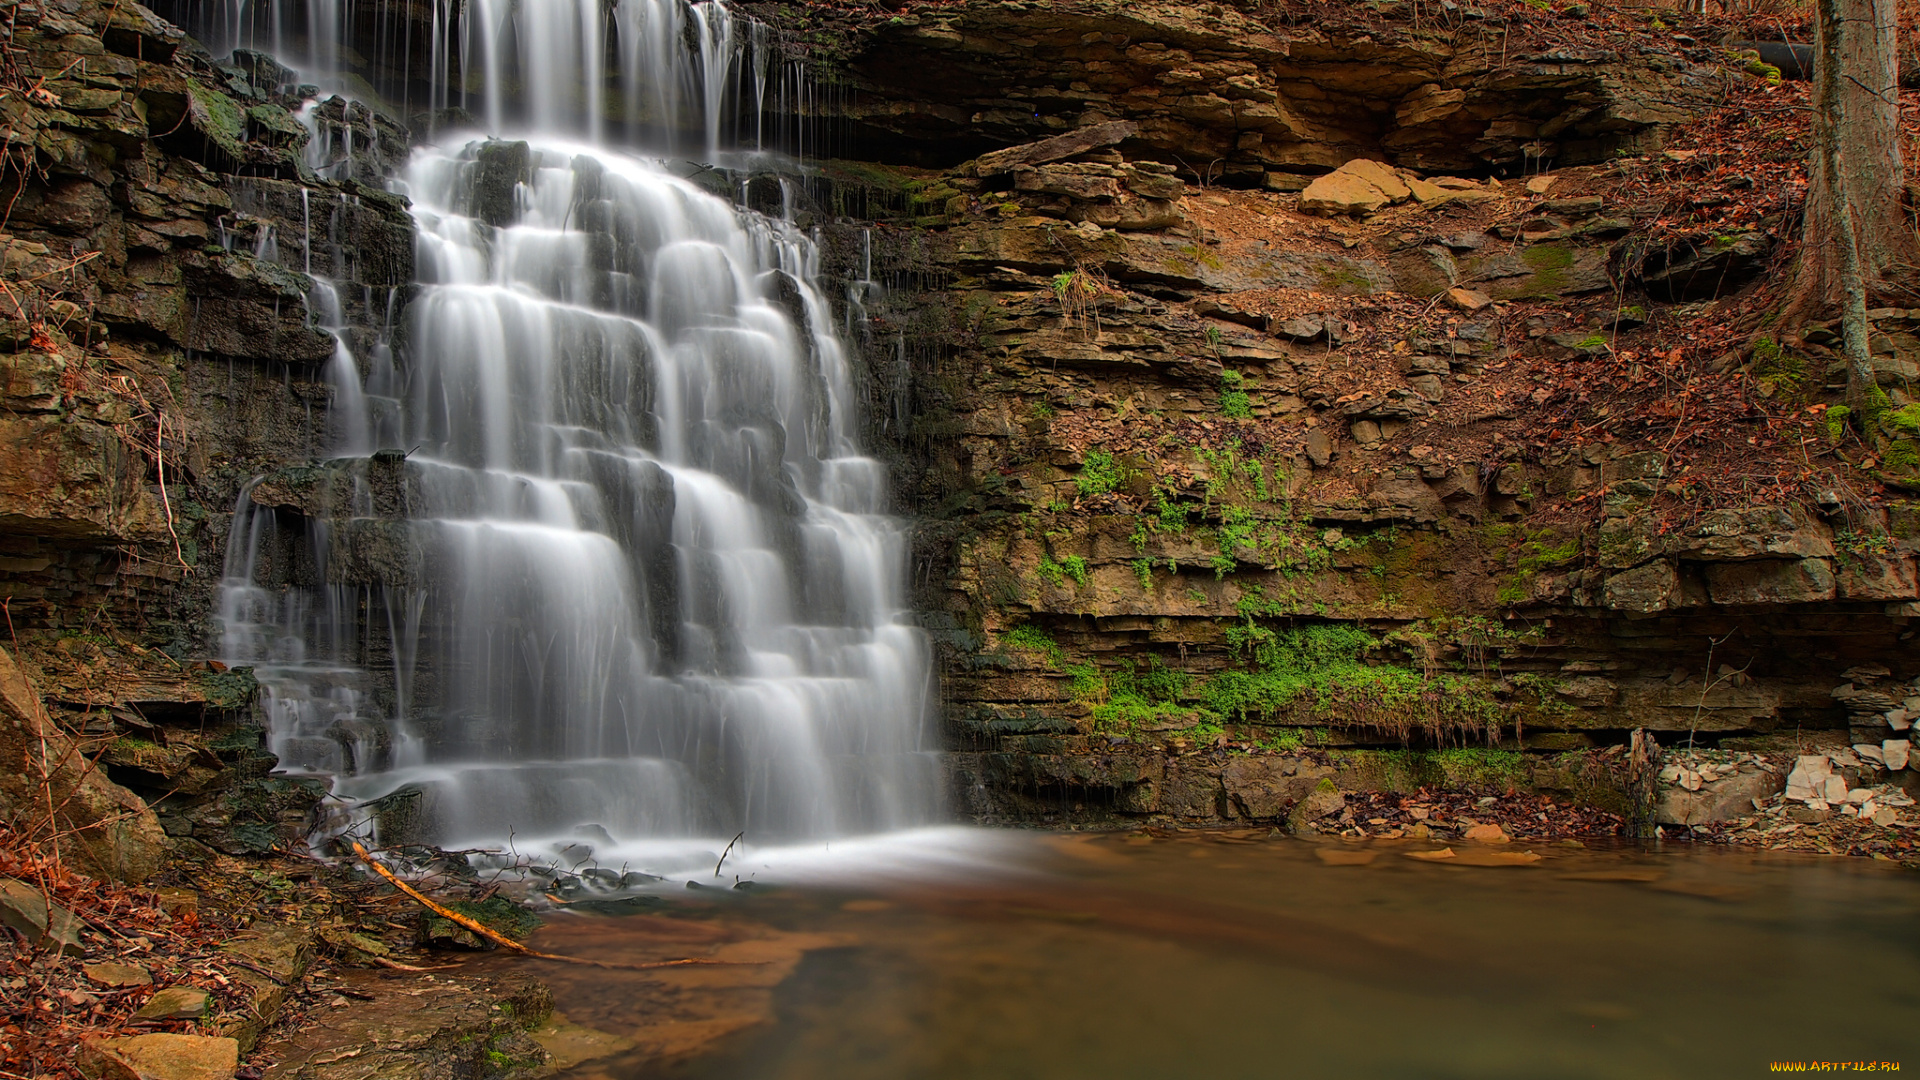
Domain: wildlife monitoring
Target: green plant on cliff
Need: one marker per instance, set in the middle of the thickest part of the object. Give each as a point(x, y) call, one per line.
point(1128, 697)
point(1143, 569)
point(1318, 673)
point(1169, 514)
point(1100, 473)
point(1030, 638)
point(1234, 402)
point(1079, 292)
point(1056, 573)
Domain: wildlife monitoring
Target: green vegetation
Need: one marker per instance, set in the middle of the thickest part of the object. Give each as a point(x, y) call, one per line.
point(1234, 402)
point(1317, 673)
point(499, 914)
point(1030, 638)
point(1453, 768)
point(1835, 422)
point(1143, 569)
point(1128, 697)
point(1100, 473)
point(1775, 367)
point(1068, 566)
point(1532, 551)
point(1549, 263)
point(1168, 513)
point(1903, 422)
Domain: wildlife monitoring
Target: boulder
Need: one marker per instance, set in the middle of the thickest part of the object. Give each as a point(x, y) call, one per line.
point(1643, 589)
point(160, 1057)
point(1324, 801)
point(1719, 800)
point(1359, 187)
point(1705, 268)
point(106, 830)
point(1760, 532)
point(25, 910)
point(1264, 787)
point(1809, 777)
point(1896, 752)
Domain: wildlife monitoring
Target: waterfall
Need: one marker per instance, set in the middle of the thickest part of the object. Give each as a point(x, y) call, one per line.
point(662, 72)
point(652, 590)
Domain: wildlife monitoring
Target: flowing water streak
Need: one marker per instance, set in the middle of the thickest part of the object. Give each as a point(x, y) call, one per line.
point(656, 592)
point(680, 69)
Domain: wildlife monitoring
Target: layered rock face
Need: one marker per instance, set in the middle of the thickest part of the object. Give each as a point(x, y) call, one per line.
point(164, 214)
point(1256, 93)
point(1224, 489)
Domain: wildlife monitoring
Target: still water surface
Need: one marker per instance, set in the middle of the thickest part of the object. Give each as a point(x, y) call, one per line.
point(1225, 954)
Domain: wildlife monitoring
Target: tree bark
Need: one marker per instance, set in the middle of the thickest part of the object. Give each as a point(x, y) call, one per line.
point(1856, 164)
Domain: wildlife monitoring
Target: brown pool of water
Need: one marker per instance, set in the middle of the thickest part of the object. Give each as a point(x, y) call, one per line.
point(1224, 954)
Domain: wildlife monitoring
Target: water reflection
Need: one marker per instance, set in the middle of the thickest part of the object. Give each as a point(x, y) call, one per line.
point(1232, 954)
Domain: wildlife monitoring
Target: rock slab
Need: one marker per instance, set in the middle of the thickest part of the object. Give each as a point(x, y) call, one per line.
point(160, 1057)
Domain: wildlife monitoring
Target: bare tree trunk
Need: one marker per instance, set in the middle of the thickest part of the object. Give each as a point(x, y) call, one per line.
point(1830, 166)
point(1856, 164)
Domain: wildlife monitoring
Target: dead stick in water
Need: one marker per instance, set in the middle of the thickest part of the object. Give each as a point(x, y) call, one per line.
point(501, 939)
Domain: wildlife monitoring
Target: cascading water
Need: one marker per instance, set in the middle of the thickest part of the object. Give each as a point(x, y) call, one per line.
point(659, 596)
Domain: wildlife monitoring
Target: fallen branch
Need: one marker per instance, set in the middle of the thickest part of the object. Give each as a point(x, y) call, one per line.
point(500, 939)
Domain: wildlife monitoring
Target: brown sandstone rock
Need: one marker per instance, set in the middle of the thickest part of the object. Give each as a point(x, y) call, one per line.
point(108, 831)
point(1359, 187)
point(160, 1057)
point(1324, 801)
point(1800, 581)
point(1468, 299)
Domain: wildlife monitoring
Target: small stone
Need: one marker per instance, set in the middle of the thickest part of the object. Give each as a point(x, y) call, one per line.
point(1896, 752)
point(176, 1003)
point(1488, 834)
point(118, 975)
point(1419, 831)
point(1870, 753)
point(1885, 816)
point(1858, 796)
point(1836, 789)
point(1808, 815)
point(1468, 299)
point(1538, 185)
point(1366, 432)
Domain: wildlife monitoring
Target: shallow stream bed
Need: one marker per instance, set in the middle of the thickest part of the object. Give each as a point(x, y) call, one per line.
point(1226, 954)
